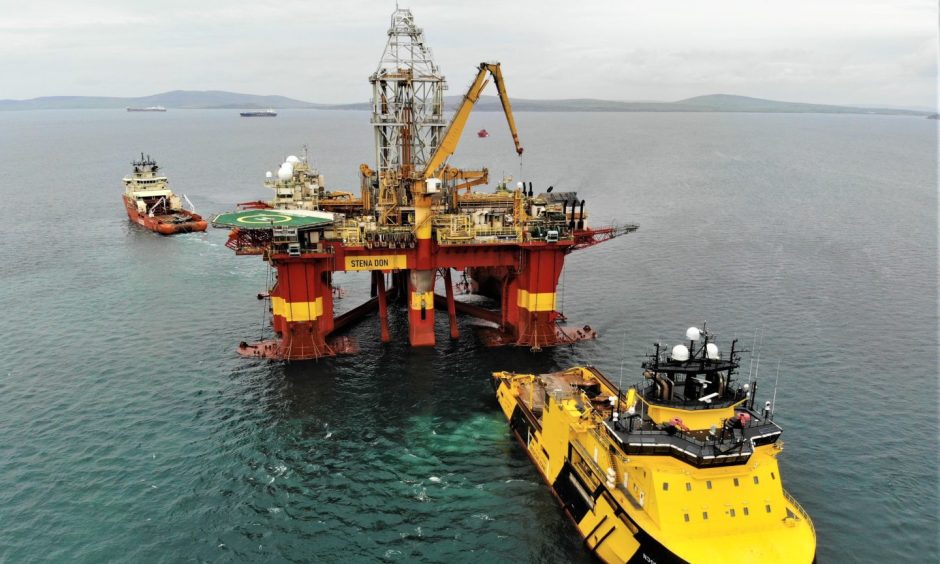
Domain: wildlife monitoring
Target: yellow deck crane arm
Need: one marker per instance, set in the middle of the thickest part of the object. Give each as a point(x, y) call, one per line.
point(448, 144)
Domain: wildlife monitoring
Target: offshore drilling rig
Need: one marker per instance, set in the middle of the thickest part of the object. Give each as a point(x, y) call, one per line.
point(415, 220)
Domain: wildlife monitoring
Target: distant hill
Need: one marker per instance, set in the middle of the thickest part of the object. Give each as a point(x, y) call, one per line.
point(709, 103)
point(218, 99)
point(188, 99)
point(732, 103)
point(492, 104)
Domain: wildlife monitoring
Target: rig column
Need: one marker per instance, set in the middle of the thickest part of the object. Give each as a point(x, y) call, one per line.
point(421, 280)
point(451, 306)
point(302, 309)
point(378, 280)
point(530, 299)
point(421, 308)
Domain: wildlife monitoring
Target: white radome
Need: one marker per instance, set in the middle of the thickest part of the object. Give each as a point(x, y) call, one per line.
point(285, 172)
point(693, 334)
point(293, 159)
point(680, 353)
point(269, 174)
point(711, 351)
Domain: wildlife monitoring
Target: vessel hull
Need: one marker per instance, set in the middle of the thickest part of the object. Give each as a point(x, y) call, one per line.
point(165, 224)
point(640, 549)
point(621, 503)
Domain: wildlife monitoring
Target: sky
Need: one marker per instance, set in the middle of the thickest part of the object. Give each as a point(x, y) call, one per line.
point(862, 52)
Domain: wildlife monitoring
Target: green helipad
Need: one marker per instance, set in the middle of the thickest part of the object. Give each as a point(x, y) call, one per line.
point(266, 219)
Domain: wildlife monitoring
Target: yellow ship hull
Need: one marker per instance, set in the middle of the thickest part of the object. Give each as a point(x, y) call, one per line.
point(650, 508)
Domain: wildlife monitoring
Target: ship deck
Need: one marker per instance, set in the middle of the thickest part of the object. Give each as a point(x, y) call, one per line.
point(175, 217)
point(568, 384)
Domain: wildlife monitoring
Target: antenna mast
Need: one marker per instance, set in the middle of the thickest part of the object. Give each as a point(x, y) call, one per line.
point(623, 354)
point(773, 402)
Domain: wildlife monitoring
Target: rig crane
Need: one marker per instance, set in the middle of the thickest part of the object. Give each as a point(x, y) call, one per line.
point(454, 131)
point(430, 180)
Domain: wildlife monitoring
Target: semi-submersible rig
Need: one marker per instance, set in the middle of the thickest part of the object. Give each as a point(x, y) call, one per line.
point(416, 218)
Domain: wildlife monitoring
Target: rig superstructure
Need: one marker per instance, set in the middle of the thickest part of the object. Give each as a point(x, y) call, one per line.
point(416, 219)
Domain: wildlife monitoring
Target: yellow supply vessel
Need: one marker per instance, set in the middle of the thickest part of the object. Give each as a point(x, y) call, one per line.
point(679, 469)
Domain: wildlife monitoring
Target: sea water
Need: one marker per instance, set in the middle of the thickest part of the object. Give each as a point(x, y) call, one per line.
point(130, 430)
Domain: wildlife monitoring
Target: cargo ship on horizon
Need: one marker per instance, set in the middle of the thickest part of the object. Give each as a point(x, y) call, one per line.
point(151, 204)
point(146, 109)
point(259, 113)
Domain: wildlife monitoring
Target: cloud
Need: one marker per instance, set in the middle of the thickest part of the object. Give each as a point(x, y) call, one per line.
point(837, 51)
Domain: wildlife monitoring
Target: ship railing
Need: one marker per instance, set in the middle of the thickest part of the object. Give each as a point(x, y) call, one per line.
point(714, 451)
point(722, 438)
point(678, 434)
point(802, 513)
point(649, 392)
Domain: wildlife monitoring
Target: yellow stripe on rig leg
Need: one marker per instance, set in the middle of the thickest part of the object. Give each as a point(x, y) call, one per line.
point(544, 301)
point(297, 311)
point(427, 297)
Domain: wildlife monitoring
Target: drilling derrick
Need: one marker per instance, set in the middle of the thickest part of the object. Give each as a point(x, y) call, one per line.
point(408, 119)
point(407, 116)
point(417, 218)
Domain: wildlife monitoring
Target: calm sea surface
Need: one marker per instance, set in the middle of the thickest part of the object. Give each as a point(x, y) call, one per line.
point(131, 431)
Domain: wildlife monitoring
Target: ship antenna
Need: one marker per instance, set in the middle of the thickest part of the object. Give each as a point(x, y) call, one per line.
point(773, 402)
point(750, 367)
point(757, 366)
point(759, 345)
point(623, 354)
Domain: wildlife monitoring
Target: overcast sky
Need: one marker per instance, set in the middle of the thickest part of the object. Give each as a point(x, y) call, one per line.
point(828, 51)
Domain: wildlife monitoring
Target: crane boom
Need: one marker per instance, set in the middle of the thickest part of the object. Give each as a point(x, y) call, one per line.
point(448, 144)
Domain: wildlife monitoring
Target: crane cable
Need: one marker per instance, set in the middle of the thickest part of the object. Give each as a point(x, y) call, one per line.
point(520, 170)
